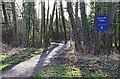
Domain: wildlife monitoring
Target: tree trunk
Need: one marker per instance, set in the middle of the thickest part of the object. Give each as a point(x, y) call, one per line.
point(57, 31)
point(63, 21)
point(27, 17)
point(96, 36)
point(51, 32)
point(15, 24)
point(5, 15)
point(43, 24)
point(109, 39)
point(85, 26)
point(34, 25)
point(119, 28)
point(0, 26)
point(78, 26)
point(74, 26)
point(47, 26)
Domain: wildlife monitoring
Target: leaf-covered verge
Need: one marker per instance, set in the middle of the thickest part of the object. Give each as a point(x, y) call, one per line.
point(65, 67)
point(92, 68)
point(9, 60)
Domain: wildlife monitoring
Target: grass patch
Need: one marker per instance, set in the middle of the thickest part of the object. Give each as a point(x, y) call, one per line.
point(61, 67)
point(59, 71)
point(3, 66)
point(2, 57)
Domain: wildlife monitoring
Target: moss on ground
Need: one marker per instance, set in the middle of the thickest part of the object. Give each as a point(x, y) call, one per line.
point(59, 71)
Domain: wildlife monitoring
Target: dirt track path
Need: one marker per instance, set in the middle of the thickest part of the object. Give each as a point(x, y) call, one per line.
point(28, 67)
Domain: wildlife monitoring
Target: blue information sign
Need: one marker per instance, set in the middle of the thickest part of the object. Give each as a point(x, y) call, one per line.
point(101, 22)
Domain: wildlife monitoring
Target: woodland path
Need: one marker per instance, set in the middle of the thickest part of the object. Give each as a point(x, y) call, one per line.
point(34, 64)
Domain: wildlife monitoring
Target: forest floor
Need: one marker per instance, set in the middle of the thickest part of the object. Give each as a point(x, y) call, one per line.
point(87, 66)
point(32, 65)
point(58, 62)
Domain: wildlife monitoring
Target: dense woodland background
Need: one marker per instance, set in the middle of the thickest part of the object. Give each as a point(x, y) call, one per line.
point(27, 30)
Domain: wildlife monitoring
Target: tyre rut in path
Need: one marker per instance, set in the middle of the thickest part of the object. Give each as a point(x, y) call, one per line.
point(34, 64)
